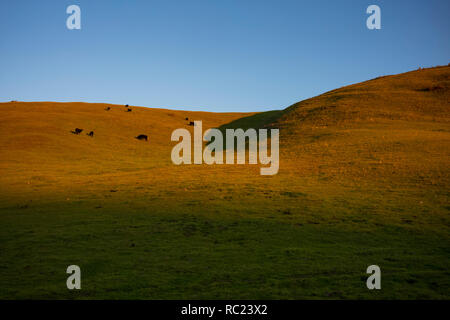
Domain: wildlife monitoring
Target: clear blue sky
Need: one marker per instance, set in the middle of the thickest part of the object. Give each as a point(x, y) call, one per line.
point(214, 55)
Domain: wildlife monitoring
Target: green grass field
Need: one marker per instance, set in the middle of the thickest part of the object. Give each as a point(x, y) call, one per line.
point(156, 252)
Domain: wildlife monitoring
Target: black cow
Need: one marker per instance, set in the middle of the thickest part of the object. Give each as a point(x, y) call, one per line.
point(142, 137)
point(108, 108)
point(129, 110)
point(191, 123)
point(77, 131)
point(90, 134)
point(187, 118)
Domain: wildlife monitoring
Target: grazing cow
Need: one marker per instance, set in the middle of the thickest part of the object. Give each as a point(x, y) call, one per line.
point(142, 137)
point(90, 134)
point(129, 110)
point(108, 108)
point(77, 131)
point(126, 106)
point(191, 123)
point(187, 118)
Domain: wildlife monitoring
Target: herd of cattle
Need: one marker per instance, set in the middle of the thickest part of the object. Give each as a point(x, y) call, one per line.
point(78, 131)
point(141, 137)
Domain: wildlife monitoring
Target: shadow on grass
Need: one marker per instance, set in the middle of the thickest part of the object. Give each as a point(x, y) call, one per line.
point(257, 121)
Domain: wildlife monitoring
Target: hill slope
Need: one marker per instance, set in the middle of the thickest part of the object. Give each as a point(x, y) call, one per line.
point(421, 95)
point(394, 128)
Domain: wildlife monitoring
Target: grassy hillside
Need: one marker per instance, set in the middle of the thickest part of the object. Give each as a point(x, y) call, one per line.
point(364, 179)
point(392, 130)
